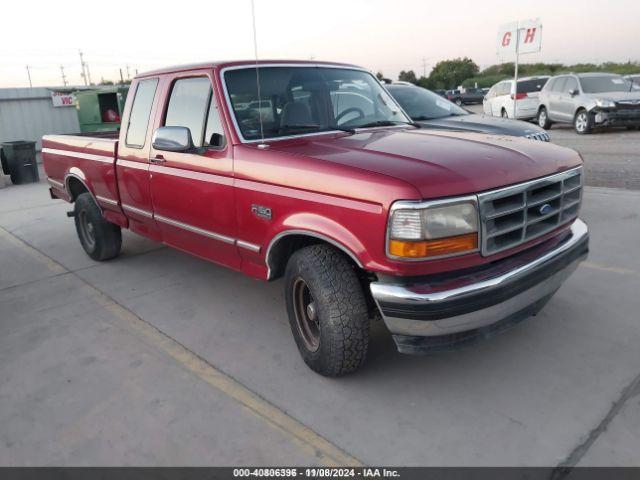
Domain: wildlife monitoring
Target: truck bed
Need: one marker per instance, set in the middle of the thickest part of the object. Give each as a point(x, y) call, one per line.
point(88, 159)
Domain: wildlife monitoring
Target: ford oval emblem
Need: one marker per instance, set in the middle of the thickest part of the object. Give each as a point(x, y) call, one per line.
point(544, 209)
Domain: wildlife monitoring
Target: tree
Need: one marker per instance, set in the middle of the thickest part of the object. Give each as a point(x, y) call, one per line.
point(451, 73)
point(380, 75)
point(408, 76)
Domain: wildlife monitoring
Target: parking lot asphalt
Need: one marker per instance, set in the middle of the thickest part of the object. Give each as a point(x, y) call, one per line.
point(611, 156)
point(159, 358)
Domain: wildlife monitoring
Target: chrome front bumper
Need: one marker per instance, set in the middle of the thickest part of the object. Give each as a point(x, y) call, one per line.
point(436, 313)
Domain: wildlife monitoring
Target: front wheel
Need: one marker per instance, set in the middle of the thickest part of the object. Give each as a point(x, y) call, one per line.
point(543, 119)
point(327, 310)
point(101, 239)
point(459, 102)
point(583, 123)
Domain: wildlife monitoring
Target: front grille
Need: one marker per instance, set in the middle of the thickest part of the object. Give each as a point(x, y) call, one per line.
point(514, 215)
point(624, 114)
point(542, 136)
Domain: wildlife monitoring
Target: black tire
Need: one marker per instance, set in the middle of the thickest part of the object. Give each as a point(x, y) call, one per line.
point(583, 122)
point(101, 239)
point(543, 119)
point(334, 340)
point(3, 162)
point(459, 102)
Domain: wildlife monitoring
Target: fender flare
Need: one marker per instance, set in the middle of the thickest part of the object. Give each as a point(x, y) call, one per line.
point(76, 173)
point(309, 225)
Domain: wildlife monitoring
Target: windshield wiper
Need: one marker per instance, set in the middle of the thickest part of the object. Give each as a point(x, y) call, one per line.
point(387, 123)
point(319, 128)
point(299, 127)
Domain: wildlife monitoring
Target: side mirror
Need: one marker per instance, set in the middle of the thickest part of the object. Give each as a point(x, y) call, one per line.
point(573, 92)
point(172, 139)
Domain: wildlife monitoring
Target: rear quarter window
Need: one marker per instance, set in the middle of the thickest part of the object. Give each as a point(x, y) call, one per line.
point(140, 113)
point(534, 85)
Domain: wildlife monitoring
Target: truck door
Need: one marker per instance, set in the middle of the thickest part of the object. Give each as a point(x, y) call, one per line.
point(132, 165)
point(192, 192)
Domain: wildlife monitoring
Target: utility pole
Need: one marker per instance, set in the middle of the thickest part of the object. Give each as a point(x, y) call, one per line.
point(88, 72)
point(515, 77)
point(84, 73)
point(121, 78)
point(64, 77)
point(29, 75)
point(424, 67)
point(127, 67)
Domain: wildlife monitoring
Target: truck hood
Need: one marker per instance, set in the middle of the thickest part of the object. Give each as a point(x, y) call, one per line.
point(439, 163)
point(483, 124)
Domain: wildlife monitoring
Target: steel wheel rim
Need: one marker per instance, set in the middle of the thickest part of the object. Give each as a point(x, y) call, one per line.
point(87, 230)
point(306, 313)
point(581, 122)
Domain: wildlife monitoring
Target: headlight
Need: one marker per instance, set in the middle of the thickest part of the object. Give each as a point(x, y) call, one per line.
point(605, 103)
point(433, 229)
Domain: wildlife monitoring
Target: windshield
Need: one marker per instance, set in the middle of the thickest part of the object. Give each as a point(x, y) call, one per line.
point(605, 84)
point(422, 104)
point(303, 100)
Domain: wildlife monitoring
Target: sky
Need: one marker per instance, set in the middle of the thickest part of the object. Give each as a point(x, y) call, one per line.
point(387, 36)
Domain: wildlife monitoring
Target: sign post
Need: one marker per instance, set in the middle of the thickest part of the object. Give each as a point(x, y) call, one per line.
point(518, 38)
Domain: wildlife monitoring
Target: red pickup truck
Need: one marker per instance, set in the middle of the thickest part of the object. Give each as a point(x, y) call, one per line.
point(312, 172)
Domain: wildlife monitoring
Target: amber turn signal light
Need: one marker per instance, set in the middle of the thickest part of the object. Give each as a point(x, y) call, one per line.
point(433, 248)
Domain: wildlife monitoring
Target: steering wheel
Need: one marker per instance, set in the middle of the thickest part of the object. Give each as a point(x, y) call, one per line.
point(348, 111)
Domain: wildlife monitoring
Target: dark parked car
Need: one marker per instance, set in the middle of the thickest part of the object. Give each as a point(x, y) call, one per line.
point(469, 96)
point(432, 111)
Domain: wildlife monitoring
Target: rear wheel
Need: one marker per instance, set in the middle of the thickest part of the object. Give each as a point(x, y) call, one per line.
point(543, 119)
point(459, 102)
point(327, 310)
point(101, 239)
point(582, 122)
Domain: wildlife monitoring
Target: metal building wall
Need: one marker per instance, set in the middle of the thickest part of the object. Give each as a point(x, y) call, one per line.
point(28, 114)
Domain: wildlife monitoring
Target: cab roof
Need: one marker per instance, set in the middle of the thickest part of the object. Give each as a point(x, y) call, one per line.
point(219, 65)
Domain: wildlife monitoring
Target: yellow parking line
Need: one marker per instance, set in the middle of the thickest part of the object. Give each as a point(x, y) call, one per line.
point(326, 452)
point(604, 268)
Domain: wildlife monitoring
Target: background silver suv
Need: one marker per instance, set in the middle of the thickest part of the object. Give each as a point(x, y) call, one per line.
point(589, 100)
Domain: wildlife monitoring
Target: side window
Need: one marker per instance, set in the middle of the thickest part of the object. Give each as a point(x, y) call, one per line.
point(559, 85)
point(571, 84)
point(188, 106)
point(140, 112)
point(214, 133)
point(550, 85)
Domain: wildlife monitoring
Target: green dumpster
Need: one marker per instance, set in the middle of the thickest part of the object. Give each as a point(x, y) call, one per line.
point(100, 109)
point(19, 161)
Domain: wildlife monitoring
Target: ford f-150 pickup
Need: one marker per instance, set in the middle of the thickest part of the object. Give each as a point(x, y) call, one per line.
point(312, 172)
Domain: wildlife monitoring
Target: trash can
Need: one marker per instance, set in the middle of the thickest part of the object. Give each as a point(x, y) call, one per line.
point(19, 161)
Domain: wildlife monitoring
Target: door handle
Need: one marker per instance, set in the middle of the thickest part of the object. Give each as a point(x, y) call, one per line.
point(158, 159)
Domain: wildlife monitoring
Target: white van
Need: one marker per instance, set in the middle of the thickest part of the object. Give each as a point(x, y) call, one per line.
point(499, 100)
